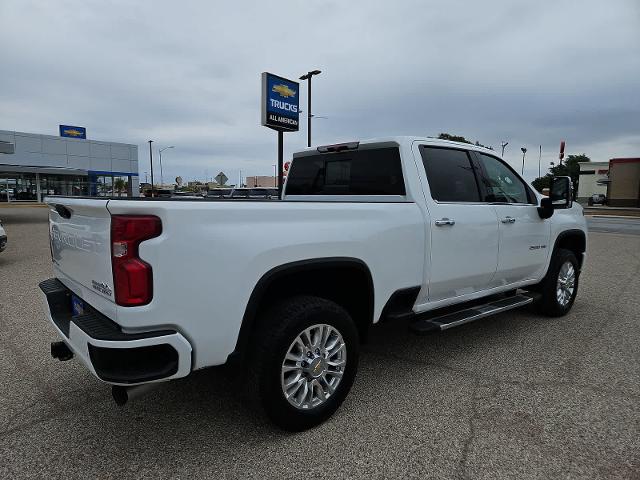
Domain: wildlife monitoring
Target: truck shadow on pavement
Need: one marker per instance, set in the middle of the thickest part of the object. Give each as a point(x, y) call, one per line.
point(215, 400)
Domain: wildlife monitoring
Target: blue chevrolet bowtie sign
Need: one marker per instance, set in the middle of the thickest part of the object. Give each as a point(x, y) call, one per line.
point(73, 132)
point(280, 103)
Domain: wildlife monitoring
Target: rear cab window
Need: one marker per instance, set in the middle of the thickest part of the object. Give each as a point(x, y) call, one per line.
point(364, 171)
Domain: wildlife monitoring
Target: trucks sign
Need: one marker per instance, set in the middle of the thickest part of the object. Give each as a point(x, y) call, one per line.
point(280, 103)
point(73, 132)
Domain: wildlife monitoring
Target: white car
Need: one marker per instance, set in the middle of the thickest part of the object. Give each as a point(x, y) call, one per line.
point(380, 230)
point(3, 237)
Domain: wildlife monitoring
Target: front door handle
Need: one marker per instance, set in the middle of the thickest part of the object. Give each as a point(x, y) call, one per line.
point(445, 221)
point(508, 220)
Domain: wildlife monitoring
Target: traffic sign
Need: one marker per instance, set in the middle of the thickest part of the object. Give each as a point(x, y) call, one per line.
point(221, 178)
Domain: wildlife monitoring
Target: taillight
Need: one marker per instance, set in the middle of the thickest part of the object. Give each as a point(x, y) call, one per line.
point(132, 277)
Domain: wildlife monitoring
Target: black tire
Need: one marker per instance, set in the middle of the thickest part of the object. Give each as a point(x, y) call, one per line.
point(548, 303)
point(276, 331)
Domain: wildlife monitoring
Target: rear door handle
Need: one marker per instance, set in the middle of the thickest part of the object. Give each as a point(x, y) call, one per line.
point(508, 220)
point(445, 221)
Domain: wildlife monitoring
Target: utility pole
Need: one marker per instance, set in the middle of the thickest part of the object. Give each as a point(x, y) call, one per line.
point(151, 161)
point(539, 161)
point(307, 77)
point(524, 152)
point(504, 144)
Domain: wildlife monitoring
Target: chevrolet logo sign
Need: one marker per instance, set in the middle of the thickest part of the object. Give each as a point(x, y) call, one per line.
point(284, 91)
point(73, 132)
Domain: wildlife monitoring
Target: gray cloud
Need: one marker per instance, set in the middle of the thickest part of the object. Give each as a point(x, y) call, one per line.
point(188, 74)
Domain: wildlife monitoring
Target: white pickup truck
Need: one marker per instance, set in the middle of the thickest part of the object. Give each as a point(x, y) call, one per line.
point(429, 232)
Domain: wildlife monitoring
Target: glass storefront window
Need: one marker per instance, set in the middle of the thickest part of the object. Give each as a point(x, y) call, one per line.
point(18, 187)
point(24, 187)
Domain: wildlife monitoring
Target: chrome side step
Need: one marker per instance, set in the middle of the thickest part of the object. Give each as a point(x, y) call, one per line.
point(422, 326)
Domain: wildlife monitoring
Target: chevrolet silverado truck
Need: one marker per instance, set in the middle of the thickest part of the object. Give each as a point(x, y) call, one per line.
point(424, 231)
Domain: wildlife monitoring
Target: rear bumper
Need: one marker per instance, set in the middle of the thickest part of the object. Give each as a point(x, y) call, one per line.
point(112, 355)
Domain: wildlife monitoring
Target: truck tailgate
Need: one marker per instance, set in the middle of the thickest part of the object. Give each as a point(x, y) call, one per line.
point(80, 232)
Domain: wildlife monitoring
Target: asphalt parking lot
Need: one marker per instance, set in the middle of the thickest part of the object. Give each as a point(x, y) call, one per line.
point(513, 396)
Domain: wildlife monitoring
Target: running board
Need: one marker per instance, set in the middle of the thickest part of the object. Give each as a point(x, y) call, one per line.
point(423, 326)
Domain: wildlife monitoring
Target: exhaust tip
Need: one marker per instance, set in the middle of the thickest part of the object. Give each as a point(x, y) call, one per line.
point(61, 351)
point(120, 395)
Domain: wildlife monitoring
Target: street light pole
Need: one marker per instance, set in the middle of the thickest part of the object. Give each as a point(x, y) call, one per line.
point(160, 154)
point(151, 161)
point(524, 152)
point(307, 77)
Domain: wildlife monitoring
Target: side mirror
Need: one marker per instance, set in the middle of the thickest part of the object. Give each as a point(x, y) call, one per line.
point(560, 197)
point(545, 210)
point(561, 193)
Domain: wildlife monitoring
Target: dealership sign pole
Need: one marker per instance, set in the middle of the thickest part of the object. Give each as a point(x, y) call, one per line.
point(280, 111)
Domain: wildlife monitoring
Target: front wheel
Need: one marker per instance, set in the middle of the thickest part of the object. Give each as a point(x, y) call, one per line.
point(560, 285)
point(304, 360)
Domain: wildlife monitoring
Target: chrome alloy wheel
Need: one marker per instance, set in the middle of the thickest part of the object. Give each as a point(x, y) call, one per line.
point(313, 366)
point(566, 283)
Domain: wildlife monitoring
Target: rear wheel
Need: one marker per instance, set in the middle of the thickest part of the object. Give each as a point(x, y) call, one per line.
point(560, 285)
point(304, 360)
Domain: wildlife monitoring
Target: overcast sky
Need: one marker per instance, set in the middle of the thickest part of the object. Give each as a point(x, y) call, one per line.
point(187, 74)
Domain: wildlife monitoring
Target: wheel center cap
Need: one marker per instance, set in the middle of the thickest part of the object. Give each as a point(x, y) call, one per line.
point(317, 367)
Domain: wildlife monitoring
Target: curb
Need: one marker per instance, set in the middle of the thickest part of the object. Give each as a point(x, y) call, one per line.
point(23, 205)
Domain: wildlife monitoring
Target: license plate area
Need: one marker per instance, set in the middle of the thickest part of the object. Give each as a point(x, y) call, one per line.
point(77, 306)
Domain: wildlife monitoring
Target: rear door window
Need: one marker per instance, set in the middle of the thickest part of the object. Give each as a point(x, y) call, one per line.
point(368, 171)
point(451, 175)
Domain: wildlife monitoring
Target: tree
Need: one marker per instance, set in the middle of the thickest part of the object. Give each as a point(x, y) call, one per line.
point(570, 168)
point(453, 138)
point(119, 185)
point(541, 183)
point(459, 138)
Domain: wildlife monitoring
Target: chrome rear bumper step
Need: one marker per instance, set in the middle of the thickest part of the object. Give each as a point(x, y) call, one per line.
point(422, 325)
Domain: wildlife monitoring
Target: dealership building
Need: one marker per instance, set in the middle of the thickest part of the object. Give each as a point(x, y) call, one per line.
point(35, 165)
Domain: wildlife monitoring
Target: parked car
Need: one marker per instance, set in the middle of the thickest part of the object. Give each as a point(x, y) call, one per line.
point(597, 199)
point(240, 193)
point(4, 193)
point(381, 230)
point(192, 195)
point(3, 237)
point(260, 192)
point(219, 193)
